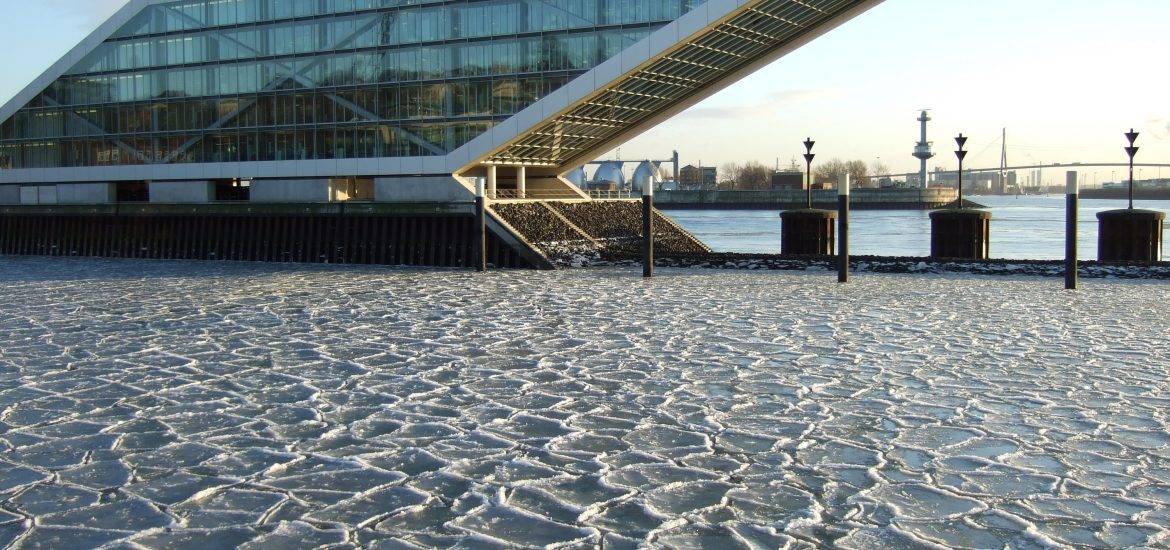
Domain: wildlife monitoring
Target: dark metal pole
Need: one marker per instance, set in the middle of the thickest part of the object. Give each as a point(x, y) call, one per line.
point(843, 229)
point(960, 183)
point(1131, 183)
point(961, 154)
point(480, 227)
point(1070, 231)
point(648, 230)
point(808, 158)
point(1132, 152)
point(808, 183)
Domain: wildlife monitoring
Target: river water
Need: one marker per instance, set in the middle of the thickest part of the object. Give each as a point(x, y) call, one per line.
point(182, 404)
point(1023, 227)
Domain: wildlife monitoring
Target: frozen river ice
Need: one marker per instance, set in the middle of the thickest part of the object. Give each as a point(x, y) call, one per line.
point(203, 405)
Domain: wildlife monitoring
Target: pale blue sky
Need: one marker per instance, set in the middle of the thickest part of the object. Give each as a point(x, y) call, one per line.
point(1066, 77)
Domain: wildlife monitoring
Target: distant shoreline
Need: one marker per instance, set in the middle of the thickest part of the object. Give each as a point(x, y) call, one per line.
point(789, 199)
point(1121, 193)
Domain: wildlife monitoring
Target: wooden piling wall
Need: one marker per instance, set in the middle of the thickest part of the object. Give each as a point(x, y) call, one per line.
point(438, 236)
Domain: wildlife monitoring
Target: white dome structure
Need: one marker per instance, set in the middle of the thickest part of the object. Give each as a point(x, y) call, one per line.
point(647, 173)
point(577, 177)
point(611, 172)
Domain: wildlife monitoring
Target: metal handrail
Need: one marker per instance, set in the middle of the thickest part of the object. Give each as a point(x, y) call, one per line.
point(606, 194)
point(542, 194)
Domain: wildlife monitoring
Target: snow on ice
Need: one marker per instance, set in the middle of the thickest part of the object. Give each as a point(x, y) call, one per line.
point(188, 405)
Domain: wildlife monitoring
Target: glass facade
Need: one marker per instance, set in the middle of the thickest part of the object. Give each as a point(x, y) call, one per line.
point(260, 80)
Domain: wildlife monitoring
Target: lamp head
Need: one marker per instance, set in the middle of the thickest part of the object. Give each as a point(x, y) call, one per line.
point(961, 140)
point(1132, 136)
point(808, 144)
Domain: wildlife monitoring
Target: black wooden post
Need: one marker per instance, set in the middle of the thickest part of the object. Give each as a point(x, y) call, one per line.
point(648, 230)
point(480, 226)
point(1070, 231)
point(843, 229)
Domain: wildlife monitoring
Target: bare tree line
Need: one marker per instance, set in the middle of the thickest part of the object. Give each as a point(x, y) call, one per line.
point(755, 175)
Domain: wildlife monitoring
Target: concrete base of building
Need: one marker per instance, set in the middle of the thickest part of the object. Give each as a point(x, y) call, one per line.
point(178, 192)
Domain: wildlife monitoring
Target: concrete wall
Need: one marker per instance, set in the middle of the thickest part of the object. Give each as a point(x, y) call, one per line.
point(172, 192)
point(9, 194)
point(420, 189)
point(345, 189)
point(309, 190)
point(86, 193)
point(47, 194)
point(38, 194)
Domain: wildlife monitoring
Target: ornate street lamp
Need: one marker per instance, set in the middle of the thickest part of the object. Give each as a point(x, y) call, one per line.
point(808, 158)
point(962, 154)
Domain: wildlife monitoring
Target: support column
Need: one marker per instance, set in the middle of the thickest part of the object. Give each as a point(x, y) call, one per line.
point(480, 226)
point(491, 181)
point(521, 182)
point(843, 229)
point(648, 230)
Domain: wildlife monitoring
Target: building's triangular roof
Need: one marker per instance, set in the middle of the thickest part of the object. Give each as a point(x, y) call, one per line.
point(75, 55)
point(703, 51)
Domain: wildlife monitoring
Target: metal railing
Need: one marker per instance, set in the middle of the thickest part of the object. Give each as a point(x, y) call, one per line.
point(535, 194)
point(600, 194)
point(546, 194)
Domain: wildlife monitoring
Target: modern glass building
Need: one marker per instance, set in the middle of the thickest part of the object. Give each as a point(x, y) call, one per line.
point(272, 80)
point(393, 100)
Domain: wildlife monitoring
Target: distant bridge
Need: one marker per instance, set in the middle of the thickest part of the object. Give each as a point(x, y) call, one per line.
point(1073, 166)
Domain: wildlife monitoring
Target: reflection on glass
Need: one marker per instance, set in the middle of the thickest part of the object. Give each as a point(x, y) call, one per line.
point(239, 80)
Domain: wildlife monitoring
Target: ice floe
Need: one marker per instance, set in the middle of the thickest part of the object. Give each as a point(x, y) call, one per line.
point(195, 405)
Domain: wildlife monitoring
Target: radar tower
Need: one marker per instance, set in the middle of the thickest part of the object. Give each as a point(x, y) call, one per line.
point(922, 151)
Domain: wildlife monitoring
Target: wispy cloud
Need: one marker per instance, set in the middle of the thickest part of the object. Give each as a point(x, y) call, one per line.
point(771, 105)
point(1159, 127)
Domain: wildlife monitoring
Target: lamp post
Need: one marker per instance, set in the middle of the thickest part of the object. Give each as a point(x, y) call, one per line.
point(1129, 234)
point(962, 154)
point(807, 231)
point(1132, 152)
point(960, 232)
point(808, 158)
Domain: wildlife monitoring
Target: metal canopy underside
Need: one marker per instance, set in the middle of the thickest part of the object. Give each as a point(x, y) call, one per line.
point(749, 34)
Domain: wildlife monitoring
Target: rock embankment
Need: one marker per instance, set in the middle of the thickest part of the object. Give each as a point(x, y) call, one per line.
point(618, 226)
point(562, 243)
point(537, 223)
point(590, 232)
point(891, 264)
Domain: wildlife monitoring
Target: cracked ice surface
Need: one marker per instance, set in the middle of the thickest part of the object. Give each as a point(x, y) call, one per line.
point(176, 404)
